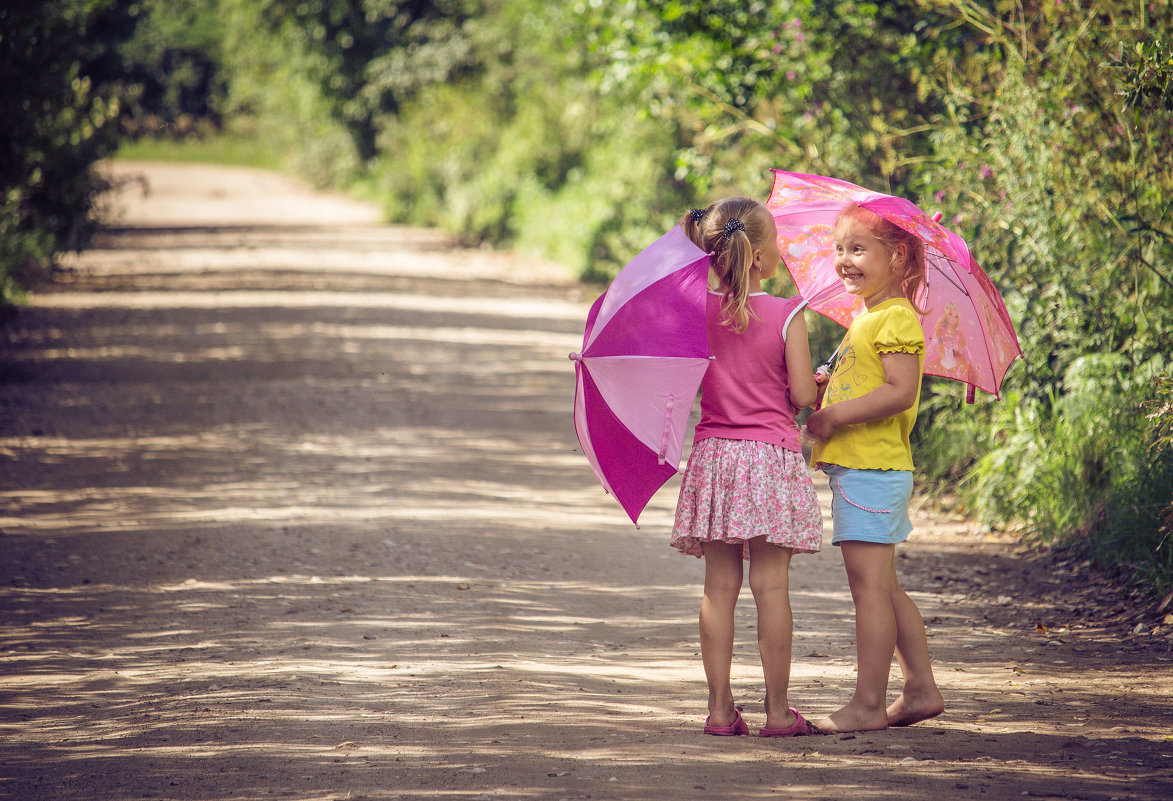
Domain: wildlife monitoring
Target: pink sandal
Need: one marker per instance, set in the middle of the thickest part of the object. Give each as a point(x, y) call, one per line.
point(735, 728)
point(800, 728)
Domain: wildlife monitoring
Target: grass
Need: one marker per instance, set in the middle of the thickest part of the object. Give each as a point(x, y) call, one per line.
point(227, 149)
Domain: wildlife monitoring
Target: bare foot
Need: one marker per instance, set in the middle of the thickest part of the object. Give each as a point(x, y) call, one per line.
point(853, 718)
point(912, 708)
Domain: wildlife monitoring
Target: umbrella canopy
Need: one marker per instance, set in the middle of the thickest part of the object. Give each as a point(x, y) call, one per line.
point(968, 333)
point(644, 352)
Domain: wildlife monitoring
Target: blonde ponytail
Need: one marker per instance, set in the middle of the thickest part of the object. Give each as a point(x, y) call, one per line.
point(730, 230)
point(736, 259)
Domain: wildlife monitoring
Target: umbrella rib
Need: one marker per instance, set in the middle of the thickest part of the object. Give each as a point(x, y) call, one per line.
point(988, 351)
point(939, 257)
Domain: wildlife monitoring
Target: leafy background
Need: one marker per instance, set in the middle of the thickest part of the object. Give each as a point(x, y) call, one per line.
point(1042, 129)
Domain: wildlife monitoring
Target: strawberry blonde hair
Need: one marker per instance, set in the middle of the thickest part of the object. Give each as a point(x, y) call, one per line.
point(908, 251)
point(730, 230)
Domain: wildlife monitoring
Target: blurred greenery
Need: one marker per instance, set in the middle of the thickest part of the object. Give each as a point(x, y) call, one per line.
point(222, 148)
point(1042, 129)
point(59, 107)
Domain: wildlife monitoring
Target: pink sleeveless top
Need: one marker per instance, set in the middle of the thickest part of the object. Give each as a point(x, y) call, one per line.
point(745, 393)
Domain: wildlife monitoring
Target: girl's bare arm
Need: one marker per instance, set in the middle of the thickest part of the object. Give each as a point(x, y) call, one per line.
point(803, 391)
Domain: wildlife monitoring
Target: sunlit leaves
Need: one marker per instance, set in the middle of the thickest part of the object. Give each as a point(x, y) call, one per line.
point(1147, 74)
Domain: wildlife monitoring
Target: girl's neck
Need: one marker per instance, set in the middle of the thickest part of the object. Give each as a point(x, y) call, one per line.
point(871, 303)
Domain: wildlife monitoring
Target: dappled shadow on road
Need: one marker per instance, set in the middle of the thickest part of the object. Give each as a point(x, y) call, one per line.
point(273, 530)
point(401, 684)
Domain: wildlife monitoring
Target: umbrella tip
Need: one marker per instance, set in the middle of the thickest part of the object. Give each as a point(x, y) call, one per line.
point(575, 357)
point(937, 216)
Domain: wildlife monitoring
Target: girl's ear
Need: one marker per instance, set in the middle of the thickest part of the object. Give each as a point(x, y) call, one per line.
point(899, 256)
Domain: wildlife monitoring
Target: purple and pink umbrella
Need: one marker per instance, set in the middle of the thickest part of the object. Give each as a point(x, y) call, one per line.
point(644, 352)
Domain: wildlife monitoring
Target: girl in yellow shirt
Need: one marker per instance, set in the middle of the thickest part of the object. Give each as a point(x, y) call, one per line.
point(869, 405)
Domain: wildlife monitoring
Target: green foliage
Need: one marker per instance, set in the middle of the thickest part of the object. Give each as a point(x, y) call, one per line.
point(174, 60)
point(1148, 74)
point(62, 91)
point(1088, 472)
point(1159, 411)
point(526, 149)
point(1064, 192)
point(214, 148)
point(317, 79)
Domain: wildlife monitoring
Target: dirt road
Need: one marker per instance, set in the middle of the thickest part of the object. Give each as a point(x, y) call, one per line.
point(291, 507)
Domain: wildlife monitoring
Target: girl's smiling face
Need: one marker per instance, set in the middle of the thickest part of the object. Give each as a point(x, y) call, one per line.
point(864, 265)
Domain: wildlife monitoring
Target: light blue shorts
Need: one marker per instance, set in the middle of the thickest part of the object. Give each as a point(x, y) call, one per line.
point(869, 505)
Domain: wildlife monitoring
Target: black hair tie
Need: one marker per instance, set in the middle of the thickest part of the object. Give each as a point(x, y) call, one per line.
point(731, 225)
point(697, 214)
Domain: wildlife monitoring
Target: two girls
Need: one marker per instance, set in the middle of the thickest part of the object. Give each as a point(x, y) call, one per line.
point(746, 493)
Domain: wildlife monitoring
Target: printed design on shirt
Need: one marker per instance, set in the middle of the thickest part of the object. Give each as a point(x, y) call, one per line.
point(844, 376)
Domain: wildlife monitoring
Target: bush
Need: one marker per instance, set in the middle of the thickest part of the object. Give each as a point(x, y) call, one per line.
point(62, 92)
point(1065, 187)
point(175, 61)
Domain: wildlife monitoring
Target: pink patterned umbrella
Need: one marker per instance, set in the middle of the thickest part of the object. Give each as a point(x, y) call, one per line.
point(644, 353)
point(968, 334)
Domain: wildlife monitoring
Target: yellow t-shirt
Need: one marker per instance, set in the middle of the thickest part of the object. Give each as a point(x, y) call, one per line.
point(890, 327)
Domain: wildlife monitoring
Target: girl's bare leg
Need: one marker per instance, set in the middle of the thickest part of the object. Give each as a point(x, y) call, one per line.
point(871, 574)
point(920, 699)
point(723, 571)
point(769, 580)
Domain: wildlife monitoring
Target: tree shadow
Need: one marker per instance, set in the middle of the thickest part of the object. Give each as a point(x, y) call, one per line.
point(333, 537)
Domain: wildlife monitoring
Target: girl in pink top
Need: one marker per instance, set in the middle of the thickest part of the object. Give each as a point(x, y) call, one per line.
point(747, 493)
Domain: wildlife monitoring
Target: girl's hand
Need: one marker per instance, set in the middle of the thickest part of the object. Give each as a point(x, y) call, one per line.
point(820, 425)
point(822, 378)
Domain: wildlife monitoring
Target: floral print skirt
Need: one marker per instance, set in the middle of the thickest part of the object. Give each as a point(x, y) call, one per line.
point(736, 490)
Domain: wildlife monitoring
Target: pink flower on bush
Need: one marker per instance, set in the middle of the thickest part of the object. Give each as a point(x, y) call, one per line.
point(939, 196)
point(791, 75)
point(985, 172)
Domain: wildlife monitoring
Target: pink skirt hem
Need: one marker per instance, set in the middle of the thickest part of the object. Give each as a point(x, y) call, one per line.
point(737, 490)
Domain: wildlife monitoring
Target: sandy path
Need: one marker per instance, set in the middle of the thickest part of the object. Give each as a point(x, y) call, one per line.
point(291, 507)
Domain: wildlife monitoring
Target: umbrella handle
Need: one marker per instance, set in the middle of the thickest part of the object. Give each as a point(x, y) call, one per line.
point(660, 458)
